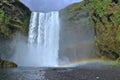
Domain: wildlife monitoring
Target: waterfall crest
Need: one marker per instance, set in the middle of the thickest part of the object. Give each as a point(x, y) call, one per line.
point(44, 39)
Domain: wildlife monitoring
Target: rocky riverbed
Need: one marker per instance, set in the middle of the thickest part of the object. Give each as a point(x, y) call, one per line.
point(77, 73)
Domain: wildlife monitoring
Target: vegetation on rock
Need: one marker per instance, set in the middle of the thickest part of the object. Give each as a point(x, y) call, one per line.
point(14, 17)
point(7, 64)
point(105, 15)
point(73, 13)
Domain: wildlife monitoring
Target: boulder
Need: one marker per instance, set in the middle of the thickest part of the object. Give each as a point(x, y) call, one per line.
point(7, 64)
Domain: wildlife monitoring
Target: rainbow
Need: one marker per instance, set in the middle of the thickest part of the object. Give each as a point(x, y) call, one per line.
point(89, 61)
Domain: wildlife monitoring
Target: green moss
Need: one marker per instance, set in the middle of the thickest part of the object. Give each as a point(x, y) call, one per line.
point(75, 6)
point(74, 12)
point(14, 17)
point(105, 15)
point(1, 15)
point(117, 15)
point(7, 64)
point(101, 6)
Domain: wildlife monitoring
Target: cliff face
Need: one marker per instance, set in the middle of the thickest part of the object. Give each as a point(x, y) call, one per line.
point(105, 15)
point(76, 33)
point(14, 17)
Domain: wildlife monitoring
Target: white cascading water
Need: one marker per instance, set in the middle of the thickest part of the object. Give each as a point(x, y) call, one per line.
point(44, 39)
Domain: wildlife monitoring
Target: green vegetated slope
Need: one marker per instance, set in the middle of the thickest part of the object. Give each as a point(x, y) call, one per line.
point(73, 13)
point(76, 33)
point(14, 17)
point(105, 15)
point(105, 18)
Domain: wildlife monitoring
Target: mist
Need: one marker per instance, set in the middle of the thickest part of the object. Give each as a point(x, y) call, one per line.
point(47, 5)
point(24, 54)
point(19, 49)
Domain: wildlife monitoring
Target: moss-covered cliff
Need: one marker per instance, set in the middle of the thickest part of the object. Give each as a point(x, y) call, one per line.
point(14, 17)
point(105, 18)
point(74, 12)
point(76, 33)
point(105, 15)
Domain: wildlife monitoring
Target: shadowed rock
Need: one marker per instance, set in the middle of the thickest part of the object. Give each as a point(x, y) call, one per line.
point(7, 64)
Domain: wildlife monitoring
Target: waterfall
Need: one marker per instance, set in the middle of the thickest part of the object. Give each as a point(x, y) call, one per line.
point(44, 39)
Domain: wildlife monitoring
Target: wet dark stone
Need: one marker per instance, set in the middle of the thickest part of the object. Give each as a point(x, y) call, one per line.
point(80, 73)
point(115, 1)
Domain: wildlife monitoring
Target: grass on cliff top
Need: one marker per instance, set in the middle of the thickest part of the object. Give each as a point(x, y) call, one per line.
point(76, 5)
point(73, 12)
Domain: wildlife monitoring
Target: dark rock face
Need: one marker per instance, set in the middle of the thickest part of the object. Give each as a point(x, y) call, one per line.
point(14, 17)
point(115, 1)
point(104, 17)
point(7, 64)
point(76, 33)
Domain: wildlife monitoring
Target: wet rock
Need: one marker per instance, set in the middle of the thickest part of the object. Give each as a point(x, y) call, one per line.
point(14, 17)
point(7, 64)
